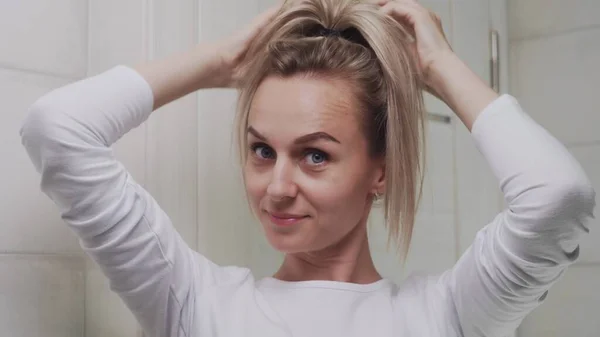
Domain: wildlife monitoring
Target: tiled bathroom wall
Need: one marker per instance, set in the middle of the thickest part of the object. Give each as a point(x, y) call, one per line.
point(48, 287)
point(42, 287)
point(554, 60)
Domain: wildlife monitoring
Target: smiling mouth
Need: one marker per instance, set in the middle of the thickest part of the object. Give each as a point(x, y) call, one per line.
point(284, 220)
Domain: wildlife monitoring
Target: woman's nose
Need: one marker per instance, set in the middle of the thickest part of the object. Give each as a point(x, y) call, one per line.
point(282, 185)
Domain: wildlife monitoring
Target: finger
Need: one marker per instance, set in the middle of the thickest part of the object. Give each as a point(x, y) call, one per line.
point(383, 2)
point(437, 20)
point(402, 11)
point(424, 11)
point(415, 4)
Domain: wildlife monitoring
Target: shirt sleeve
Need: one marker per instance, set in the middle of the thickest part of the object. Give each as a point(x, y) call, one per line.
point(67, 134)
point(516, 258)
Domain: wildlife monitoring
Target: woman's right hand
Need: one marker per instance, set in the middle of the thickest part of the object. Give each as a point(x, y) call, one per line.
point(207, 65)
point(444, 74)
point(431, 43)
point(231, 52)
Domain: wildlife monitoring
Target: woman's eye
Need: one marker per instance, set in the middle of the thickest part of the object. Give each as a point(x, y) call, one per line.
point(316, 157)
point(263, 151)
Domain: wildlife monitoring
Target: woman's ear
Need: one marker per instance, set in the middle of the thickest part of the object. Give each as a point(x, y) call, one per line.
point(379, 178)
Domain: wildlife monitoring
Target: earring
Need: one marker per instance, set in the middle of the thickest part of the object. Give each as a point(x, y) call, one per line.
point(377, 195)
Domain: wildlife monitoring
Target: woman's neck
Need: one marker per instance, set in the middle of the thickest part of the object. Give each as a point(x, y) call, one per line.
point(347, 261)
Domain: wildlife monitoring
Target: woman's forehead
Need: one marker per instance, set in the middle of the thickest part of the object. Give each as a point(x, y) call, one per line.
point(300, 105)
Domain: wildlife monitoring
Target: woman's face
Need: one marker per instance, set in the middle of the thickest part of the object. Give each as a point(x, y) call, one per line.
point(309, 175)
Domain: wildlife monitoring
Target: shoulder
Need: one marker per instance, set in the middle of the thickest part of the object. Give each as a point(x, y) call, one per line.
point(425, 298)
point(421, 286)
point(214, 276)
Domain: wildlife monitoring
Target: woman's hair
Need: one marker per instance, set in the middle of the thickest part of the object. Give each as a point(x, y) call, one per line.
point(372, 53)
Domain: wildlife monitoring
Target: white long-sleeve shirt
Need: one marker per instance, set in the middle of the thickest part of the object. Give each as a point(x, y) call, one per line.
point(174, 291)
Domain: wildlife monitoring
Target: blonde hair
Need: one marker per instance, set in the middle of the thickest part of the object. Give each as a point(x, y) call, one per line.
point(373, 54)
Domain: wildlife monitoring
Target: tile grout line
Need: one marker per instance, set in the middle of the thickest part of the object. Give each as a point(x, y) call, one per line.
point(86, 302)
point(585, 264)
point(582, 144)
point(40, 254)
point(39, 72)
point(455, 205)
point(548, 35)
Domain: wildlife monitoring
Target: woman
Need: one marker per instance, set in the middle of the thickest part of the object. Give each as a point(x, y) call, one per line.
point(330, 119)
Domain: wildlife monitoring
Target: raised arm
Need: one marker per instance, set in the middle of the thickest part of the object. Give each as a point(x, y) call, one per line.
point(517, 257)
point(219, 65)
point(68, 133)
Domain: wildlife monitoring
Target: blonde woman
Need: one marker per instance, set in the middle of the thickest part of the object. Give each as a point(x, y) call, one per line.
point(330, 119)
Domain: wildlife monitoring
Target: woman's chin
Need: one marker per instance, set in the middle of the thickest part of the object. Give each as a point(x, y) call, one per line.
point(287, 243)
point(283, 245)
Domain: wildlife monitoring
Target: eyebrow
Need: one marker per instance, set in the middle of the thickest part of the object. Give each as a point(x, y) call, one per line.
point(311, 137)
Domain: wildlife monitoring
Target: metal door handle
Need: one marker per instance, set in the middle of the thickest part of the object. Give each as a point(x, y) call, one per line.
point(495, 60)
point(439, 118)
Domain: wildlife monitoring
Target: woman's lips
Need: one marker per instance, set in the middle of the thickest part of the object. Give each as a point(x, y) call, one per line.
point(282, 219)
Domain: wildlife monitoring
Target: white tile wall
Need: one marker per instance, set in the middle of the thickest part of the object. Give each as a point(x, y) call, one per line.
point(174, 27)
point(45, 36)
point(555, 79)
point(45, 294)
point(106, 314)
point(213, 24)
point(589, 157)
point(470, 29)
point(530, 18)
point(432, 249)
point(477, 194)
point(569, 309)
point(555, 47)
point(441, 8)
point(438, 190)
point(117, 36)
point(42, 295)
point(172, 164)
point(438, 187)
point(264, 4)
point(264, 259)
point(117, 33)
point(172, 143)
point(30, 222)
point(499, 22)
point(221, 225)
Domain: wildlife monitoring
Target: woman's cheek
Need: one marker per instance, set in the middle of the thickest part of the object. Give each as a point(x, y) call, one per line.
point(253, 186)
point(322, 191)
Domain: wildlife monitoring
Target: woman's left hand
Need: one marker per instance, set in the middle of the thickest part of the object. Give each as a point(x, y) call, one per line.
point(431, 44)
point(444, 74)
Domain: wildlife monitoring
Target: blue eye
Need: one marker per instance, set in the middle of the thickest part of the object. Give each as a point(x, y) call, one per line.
point(263, 151)
point(315, 157)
